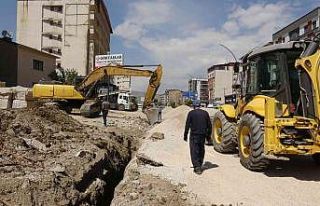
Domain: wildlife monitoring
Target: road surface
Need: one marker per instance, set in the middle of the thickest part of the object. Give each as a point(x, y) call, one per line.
point(226, 182)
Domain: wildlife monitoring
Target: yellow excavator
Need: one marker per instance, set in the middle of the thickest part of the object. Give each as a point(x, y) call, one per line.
point(82, 96)
point(278, 108)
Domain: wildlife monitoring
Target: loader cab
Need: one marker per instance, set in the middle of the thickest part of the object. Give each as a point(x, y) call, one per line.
point(271, 72)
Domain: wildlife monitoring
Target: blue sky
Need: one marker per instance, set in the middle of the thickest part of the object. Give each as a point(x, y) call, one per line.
point(184, 35)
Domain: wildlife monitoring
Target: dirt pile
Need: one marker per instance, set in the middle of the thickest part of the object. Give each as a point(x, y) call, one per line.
point(147, 189)
point(49, 158)
point(140, 185)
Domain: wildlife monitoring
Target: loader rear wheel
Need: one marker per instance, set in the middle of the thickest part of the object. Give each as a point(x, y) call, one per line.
point(316, 158)
point(223, 134)
point(250, 143)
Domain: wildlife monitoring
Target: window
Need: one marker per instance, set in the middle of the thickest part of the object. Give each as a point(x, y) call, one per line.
point(294, 35)
point(37, 65)
point(252, 77)
point(305, 29)
point(314, 24)
point(270, 73)
point(263, 74)
point(56, 8)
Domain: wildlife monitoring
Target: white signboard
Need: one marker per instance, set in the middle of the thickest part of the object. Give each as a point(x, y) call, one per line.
point(110, 59)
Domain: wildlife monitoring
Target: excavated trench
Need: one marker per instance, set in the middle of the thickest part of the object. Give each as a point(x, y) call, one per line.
point(49, 158)
point(103, 178)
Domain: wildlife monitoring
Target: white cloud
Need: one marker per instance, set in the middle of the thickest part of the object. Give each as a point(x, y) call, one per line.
point(141, 16)
point(259, 14)
point(190, 55)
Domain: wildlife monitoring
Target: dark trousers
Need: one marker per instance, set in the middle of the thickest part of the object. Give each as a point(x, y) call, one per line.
point(197, 149)
point(104, 116)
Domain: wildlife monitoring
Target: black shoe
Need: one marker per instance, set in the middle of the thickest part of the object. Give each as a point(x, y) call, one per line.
point(197, 170)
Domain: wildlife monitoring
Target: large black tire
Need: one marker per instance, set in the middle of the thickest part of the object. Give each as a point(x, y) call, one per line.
point(316, 158)
point(251, 143)
point(121, 107)
point(223, 134)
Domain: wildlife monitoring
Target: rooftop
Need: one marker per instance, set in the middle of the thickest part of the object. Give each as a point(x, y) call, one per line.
point(220, 66)
point(298, 20)
point(26, 47)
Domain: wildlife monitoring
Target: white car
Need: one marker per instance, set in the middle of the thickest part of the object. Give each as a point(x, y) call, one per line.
point(210, 106)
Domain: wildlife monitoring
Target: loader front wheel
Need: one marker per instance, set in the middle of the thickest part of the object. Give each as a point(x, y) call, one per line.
point(223, 134)
point(250, 143)
point(316, 158)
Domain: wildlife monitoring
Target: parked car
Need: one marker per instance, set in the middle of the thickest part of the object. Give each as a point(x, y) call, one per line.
point(210, 106)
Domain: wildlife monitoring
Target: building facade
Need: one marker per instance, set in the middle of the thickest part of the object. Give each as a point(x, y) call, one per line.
point(123, 83)
point(199, 87)
point(73, 30)
point(306, 27)
point(163, 99)
point(174, 97)
point(220, 81)
point(24, 66)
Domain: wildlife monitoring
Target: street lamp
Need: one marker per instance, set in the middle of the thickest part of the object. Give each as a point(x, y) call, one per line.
point(229, 50)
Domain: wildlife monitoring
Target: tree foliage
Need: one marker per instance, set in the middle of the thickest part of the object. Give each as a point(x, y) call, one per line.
point(66, 76)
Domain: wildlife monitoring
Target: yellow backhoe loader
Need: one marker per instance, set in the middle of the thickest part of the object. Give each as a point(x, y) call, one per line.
point(278, 109)
point(81, 96)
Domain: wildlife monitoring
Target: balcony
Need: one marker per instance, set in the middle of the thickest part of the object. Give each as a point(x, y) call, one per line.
point(308, 34)
point(53, 22)
point(53, 35)
point(52, 50)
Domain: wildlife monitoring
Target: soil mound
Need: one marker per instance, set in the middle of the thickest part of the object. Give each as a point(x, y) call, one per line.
point(49, 158)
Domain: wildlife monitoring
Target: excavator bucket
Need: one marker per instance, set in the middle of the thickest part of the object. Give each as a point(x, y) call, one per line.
point(153, 115)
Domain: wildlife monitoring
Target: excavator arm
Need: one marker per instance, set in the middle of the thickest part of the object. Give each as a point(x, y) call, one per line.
point(154, 83)
point(105, 71)
point(152, 89)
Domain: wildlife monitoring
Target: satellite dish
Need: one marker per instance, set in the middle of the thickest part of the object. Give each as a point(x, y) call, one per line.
point(6, 34)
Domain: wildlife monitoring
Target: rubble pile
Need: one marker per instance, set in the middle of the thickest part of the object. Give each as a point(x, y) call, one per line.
point(49, 158)
point(140, 186)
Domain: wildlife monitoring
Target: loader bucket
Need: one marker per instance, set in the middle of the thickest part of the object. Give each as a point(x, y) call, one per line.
point(153, 115)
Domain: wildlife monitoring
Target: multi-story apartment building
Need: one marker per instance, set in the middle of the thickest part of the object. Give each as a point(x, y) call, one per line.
point(173, 97)
point(220, 81)
point(200, 88)
point(306, 27)
point(73, 30)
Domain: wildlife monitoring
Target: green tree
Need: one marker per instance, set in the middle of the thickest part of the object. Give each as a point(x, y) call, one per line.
point(70, 76)
point(188, 102)
point(66, 76)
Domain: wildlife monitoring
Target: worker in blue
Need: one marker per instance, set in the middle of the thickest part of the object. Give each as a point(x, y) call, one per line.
point(198, 121)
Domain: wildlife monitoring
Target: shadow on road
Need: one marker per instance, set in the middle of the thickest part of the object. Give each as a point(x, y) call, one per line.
point(299, 167)
point(208, 165)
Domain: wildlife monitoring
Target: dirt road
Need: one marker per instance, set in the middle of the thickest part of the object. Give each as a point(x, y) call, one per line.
point(225, 181)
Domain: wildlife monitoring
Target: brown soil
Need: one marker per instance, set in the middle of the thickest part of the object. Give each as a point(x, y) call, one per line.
point(144, 189)
point(49, 158)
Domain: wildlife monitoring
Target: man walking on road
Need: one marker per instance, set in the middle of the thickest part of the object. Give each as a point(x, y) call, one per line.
point(105, 106)
point(199, 122)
